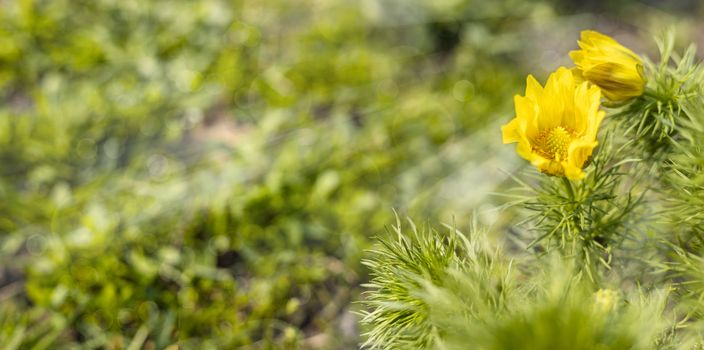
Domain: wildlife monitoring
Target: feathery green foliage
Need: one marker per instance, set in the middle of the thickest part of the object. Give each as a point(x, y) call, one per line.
point(682, 192)
point(653, 120)
point(586, 218)
point(413, 262)
point(400, 266)
point(423, 297)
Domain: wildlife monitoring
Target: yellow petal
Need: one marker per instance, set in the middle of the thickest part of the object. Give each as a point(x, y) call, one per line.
point(577, 75)
point(533, 89)
point(579, 152)
point(572, 172)
point(577, 57)
point(510, 132)
point(595, 38)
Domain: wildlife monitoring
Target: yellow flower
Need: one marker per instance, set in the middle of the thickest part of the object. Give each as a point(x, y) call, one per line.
point(611, 66)
point(555, 126)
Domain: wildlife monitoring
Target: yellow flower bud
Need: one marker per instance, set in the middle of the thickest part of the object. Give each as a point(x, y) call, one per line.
point(611, 66)
point(605, 300)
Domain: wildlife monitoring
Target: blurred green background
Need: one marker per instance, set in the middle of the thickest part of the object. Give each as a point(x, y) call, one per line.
point(207, 174)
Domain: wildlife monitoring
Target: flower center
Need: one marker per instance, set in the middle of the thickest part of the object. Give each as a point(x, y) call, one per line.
point(555, 142)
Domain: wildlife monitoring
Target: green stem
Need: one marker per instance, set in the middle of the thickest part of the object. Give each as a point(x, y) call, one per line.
point(568, 186)
point(573, 204)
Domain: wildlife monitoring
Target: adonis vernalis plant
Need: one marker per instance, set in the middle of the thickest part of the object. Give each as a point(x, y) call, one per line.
point(610, 251)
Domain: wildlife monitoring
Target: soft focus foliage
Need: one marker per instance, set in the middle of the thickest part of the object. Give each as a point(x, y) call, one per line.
point(479, 295)
point(207, 174)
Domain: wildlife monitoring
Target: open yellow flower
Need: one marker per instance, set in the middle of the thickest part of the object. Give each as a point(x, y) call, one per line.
point(611, 66)
point(555, 126)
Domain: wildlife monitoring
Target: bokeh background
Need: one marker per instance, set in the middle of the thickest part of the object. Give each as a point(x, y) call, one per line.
point(207, 174)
